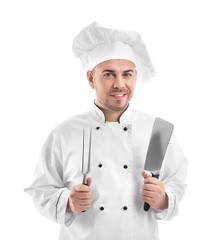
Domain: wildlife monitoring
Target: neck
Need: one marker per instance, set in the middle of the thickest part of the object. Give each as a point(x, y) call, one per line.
point(111, 116)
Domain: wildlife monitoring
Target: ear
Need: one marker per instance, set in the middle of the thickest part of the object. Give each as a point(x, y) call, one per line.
point(135, 75)
point(90, 78)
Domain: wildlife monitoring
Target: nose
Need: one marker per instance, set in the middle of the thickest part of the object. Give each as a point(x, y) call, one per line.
point(119, 82)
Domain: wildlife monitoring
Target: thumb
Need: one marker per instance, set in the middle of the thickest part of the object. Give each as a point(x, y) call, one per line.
point(146, 174)
point(89, 181)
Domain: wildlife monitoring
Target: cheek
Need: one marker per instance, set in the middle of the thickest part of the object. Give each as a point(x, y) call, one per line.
point(104, 87)
point(101, 90)
point(131, 87)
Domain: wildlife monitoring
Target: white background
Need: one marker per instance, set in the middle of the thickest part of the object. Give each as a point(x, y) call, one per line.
point(42, 84)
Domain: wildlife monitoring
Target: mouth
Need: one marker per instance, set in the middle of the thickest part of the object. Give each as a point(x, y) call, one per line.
point(118, 96)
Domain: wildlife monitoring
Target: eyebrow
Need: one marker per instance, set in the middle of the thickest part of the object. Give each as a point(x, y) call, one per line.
point(112, 71)
point(130, 70)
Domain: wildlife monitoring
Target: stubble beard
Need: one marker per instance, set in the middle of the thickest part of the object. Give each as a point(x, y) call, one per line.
point(114, 108)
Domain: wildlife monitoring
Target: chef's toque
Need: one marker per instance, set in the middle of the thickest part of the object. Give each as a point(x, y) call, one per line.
point(96, 44)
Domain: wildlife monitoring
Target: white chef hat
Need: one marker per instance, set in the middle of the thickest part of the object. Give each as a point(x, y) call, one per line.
point(96, 44)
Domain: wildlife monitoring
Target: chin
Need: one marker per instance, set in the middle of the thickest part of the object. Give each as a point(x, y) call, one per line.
point(118, 108)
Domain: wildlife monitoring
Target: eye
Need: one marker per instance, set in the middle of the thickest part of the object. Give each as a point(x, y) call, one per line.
point(128, 75)
point(108, 74)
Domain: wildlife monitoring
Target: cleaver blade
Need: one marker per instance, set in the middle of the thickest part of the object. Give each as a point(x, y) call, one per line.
point(160, 137)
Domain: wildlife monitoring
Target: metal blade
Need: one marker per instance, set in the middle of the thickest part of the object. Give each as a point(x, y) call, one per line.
point(159, 141)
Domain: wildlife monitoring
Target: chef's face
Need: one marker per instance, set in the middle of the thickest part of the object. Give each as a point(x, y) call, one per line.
point(114, 83)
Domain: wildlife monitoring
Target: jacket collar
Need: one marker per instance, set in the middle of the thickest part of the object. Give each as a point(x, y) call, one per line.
point(99, 115)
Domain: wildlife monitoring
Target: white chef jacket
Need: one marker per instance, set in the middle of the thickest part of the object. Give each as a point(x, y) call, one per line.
point(117, 161)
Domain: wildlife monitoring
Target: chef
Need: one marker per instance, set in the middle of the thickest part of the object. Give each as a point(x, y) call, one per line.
point(110, 144)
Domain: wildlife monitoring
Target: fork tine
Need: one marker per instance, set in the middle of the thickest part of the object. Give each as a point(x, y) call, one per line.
point(83, 153)
point(89, 155)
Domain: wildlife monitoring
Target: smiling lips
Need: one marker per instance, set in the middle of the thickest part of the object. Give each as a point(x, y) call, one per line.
point(118, 96)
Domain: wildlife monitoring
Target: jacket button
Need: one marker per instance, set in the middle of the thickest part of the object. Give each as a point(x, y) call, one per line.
point(97, 128)
point(125, 166)
point(100, 165)
point(125, 207)
point(101, 208)
point(125, 128)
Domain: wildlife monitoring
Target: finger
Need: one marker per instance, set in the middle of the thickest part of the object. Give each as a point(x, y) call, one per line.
point(85, 204)
point(83, 208)
point(81, 188)
point(148, 193)
point(83, 195)
point(81, 202)
point(149, 187)
point(77, 206)
point(151, 180)
point(147, 199)
point(89, 181)
point(146, 174)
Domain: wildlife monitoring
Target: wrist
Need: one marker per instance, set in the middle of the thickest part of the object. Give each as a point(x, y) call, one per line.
point(68, 208)
point(165, 202)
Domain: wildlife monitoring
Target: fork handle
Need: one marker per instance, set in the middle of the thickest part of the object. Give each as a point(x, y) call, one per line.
point(84, 180)
point(86, 185)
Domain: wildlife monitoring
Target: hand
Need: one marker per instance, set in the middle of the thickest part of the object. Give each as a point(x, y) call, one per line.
point(80, 198)
point(154, 192)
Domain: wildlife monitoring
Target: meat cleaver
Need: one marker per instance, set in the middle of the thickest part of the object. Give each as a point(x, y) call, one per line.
point(160, 136)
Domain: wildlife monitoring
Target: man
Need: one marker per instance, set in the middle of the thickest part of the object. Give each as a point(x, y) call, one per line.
point(110, 204)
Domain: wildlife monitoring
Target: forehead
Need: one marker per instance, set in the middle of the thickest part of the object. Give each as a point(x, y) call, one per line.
point(116, 65)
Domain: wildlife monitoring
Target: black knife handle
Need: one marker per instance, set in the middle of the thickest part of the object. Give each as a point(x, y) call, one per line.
point(146, 205)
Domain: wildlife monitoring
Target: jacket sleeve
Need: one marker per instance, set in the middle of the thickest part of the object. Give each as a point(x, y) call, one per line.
point(173, 175)
point(48, 190)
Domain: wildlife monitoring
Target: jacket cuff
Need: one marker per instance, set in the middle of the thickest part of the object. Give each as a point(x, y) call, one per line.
point(63, 217)
point(166, 214)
